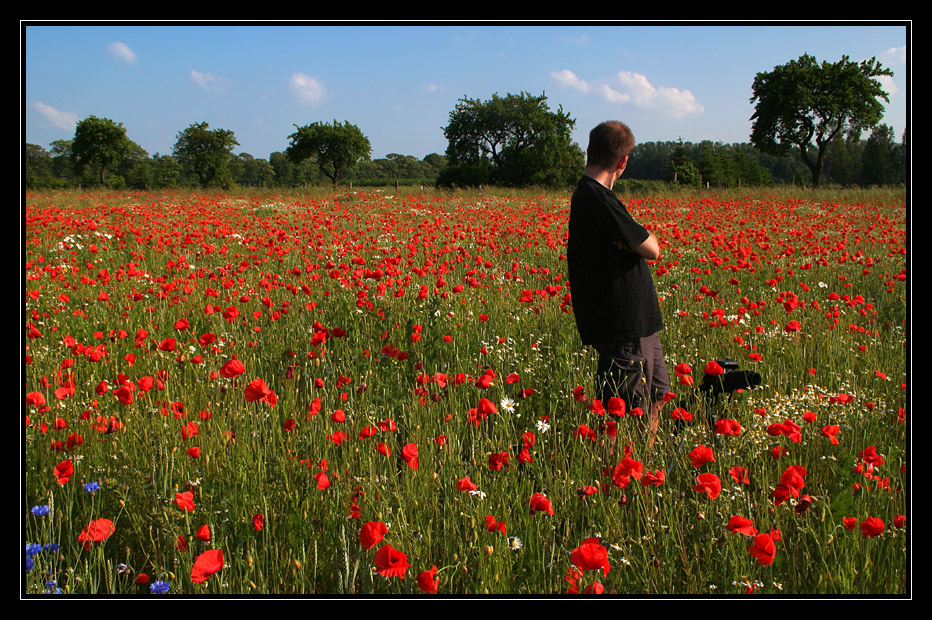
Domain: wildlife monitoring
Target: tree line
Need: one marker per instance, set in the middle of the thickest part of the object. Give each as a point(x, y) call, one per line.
point(808, 124)
point(204, 157)
point(850, 161)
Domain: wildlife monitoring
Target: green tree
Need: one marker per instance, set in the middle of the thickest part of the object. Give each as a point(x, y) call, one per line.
point(335, 147)
point(681, 168)
point(205, 152)
point(879, 161)
point(166, 171)
point(805, 104)
point(62, 166)
point(99, 142)
point(38, 164)
point(843, 159)
point(282, 168)
point(511, 141)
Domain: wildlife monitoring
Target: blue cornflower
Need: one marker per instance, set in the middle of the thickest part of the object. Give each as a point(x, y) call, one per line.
point(41, 511)
point(159, 587)
point(52, 588)
point(90, 487)
point(29, 563)
point(33, 548)
point(50, 547)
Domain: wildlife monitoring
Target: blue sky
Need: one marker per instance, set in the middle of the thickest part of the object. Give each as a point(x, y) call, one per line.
point(399, 82)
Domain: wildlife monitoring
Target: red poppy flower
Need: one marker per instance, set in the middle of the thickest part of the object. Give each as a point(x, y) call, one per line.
point(830, 431)
point(741, 525)
point(409, 455)
point(626, 469)
point(700, 455)
point(257, 390)
point(493, 525)
point(849, 522)
point(338, 437)
point(714, 369)
point(63, 471)
point(740, 474)
point(616, 406)
point(709, 484)
point(591, 555)
point(540, 503)
point(654, 478)
point(682, 369)
point(203, 533)
point(124, 394)
point(428, 582)
point(763, 549)
point(869, 455)
point(485, 381)
point(233, 368)
point(681, 414)
point(206, 565)
point(724, 426)
point(189, 430)
point(871, 526)
point(371, 534)
point(185, 501)
point(96, 531)
point(322, 480)
point(390, 562)
point(258, 522)
point(486, 407)
point(497, 460)
point(368, 431)
point(465, 484)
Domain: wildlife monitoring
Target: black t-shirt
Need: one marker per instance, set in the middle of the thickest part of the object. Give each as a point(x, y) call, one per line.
point(612, 289)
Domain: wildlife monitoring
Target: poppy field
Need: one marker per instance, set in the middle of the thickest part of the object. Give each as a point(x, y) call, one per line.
point(367, 393)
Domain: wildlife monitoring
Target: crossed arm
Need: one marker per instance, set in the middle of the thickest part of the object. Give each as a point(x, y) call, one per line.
point(649, 249)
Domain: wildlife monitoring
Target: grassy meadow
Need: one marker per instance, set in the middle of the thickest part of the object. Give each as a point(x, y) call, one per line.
point(383, 393)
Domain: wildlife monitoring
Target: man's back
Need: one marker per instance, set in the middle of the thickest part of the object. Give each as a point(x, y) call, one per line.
point(612, 289)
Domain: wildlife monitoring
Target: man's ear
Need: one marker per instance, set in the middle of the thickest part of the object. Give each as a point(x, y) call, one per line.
point(623, 164)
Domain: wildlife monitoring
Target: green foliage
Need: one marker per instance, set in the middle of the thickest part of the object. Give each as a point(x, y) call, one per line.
point(335, 147)
point(38, 164)
point(205, 153)
point(805, 104)
point(398, 169)
point(511, 141)
point(99, 142)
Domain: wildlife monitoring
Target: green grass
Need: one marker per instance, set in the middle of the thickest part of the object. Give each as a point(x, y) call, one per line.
point(170, 256)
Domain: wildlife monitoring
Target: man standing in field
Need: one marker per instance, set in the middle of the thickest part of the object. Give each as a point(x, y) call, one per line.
point(614, 299)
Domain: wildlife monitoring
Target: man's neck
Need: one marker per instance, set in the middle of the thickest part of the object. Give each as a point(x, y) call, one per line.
point(606, 178)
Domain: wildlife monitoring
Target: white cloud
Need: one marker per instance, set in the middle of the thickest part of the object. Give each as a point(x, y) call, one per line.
point(887, 83)
point(613, 96)
point(62, 120)
point(894, 54)
point(208, 81)
point(636, 89)
point(122, 51)
point(565, 77)
point(307, 88)
point(668, 100)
